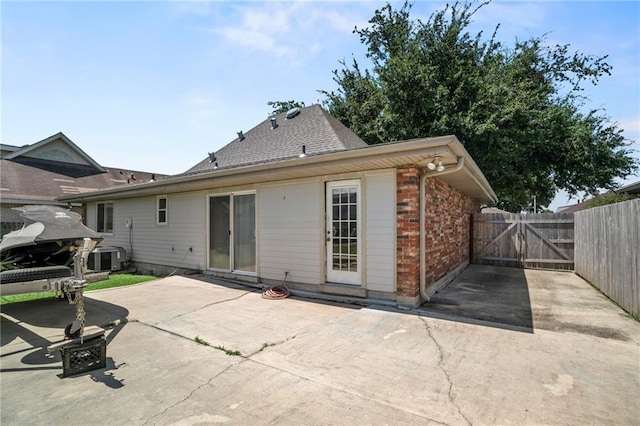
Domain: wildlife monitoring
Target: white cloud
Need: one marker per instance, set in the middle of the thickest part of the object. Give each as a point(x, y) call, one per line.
point(291, 29)
point(631, 126)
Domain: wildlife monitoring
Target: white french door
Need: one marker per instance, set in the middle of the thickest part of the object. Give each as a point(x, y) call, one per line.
point(344, 263)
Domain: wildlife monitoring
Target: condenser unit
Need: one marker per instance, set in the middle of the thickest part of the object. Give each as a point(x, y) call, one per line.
point(107, 259)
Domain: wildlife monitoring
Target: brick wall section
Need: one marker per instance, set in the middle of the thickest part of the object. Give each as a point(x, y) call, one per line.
point(447, 228)
point(408, 231)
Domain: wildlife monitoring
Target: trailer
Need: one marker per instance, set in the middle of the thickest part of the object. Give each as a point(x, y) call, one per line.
point(50, 253)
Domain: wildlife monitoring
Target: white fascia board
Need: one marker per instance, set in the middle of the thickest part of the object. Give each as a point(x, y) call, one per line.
point(426, 147)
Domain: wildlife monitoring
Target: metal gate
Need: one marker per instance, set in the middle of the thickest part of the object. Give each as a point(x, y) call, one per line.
point(543, 241)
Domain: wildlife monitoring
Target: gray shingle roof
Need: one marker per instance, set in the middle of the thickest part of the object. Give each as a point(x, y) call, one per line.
point(313, 127)
point(26, 178)
point(33, 179)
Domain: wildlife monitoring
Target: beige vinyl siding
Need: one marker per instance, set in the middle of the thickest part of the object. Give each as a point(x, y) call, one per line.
point(159, 244)
point(380, 214)
point(290, 227)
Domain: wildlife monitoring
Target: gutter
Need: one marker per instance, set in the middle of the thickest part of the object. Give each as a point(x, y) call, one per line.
point(460, 165)
point(180, 183)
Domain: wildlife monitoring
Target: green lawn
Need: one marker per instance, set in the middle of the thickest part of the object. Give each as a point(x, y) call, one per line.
point(116, 280)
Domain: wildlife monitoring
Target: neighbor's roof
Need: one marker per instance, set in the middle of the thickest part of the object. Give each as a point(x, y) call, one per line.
point(55, 166)
point(632, 188)
point(34, 180)
point(313, 127)
point(32, 151)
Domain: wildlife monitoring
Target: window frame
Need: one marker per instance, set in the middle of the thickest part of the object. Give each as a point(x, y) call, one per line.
point(232, 237)
point(102, 226)
point(165, 210)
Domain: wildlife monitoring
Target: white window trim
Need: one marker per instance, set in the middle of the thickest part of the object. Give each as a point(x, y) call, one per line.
point(166, 210)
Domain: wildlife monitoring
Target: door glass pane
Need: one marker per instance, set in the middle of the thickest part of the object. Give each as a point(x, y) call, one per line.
point(345, 229)
point(219, 232)
point(244, 232)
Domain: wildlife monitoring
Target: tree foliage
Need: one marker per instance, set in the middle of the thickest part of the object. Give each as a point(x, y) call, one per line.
point(517, 110)
point(605, 199)
point(284, 106)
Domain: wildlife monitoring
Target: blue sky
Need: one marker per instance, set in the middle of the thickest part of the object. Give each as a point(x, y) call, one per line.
point(155, 86)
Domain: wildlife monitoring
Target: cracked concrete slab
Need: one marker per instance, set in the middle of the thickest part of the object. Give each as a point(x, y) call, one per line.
point(324, 363)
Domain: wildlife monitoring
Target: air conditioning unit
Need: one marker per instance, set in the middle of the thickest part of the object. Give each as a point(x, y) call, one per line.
point(107, 259)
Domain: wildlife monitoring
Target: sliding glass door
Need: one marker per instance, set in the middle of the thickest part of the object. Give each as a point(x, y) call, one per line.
point(232, 232)
point(219, 232)
point(244, 233)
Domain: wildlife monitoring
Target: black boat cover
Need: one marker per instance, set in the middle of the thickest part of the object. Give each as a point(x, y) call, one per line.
point(45, 224)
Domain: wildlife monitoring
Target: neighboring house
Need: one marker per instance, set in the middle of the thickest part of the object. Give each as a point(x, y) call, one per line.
point(632, 190)
point(55, 166)
point(572, 208)
point(301, 198)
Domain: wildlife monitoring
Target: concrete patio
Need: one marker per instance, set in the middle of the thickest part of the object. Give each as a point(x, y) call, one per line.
point(498, 346)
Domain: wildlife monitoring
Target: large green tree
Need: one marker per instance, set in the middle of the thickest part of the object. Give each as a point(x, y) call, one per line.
point(518, 110)
point(284, 106)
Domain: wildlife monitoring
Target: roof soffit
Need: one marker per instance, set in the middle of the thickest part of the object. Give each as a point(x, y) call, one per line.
point(419, 152)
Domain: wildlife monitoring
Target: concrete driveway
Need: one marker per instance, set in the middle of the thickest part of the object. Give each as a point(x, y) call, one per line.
point(498, 346)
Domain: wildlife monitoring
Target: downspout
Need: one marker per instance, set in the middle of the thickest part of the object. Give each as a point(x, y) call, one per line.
point(423, 238)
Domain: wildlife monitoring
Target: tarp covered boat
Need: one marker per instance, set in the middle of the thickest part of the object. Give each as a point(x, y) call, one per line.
point(49, 237)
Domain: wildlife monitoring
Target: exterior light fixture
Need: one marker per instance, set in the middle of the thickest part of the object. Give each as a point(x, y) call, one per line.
point(440, 167)
point(432, 164)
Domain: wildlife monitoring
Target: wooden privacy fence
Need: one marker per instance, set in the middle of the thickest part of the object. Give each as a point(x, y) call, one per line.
point(523, 240)
point(608, 251)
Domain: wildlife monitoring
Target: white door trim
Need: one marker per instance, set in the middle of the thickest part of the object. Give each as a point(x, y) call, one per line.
point(343, 234)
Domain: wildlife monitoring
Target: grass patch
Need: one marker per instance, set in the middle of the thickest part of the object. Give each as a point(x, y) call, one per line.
point(113, 324)
point(228, 351)
point(116, 280)
point(119, 280)
point(201, 341)
point(265, 346)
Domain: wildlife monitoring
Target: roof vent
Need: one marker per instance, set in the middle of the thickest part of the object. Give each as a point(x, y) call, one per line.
point(293, 112)
point(274, 123)
point(241, 135)
point(212, 157)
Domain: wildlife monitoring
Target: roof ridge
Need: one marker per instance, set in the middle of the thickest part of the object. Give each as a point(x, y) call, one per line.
point(337, 125)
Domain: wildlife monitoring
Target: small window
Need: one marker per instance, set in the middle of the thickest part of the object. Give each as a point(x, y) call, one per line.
point(162, 211)
point(105, 218)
